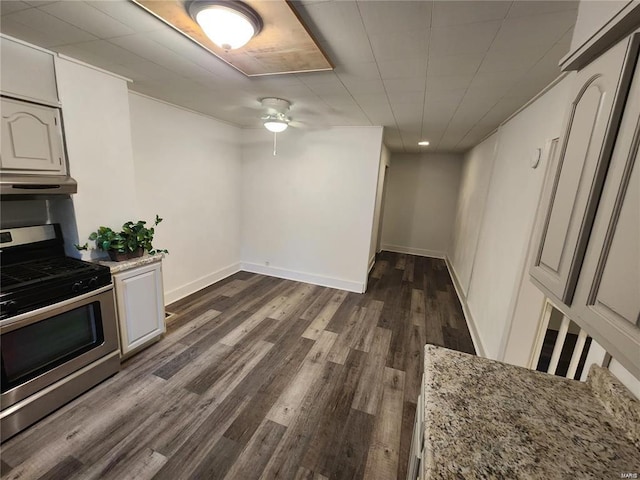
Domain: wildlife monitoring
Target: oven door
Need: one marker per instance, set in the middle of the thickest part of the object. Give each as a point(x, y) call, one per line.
point(40, 347)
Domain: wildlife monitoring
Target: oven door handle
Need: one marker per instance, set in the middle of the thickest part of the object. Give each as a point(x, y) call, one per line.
point(34, 314)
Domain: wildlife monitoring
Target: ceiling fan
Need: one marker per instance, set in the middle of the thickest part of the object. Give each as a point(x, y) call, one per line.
point(275, 118)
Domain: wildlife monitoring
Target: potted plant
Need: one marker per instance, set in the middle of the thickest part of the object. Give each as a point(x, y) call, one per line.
point(131, 242)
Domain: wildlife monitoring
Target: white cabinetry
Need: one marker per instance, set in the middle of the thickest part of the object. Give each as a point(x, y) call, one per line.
point(28, 72)
point(140, 305)
point(31, 139)
point(588, 256)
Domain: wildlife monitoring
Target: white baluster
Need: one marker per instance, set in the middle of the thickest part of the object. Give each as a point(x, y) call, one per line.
point(557, 349)
point(577, 353)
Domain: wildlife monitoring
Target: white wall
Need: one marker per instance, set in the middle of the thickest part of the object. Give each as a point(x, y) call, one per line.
point(420, 203)
point(98, 138)
point(472, 196)
point(507, 223)
point(307, 213)
point(385, 162)
point(188, 171)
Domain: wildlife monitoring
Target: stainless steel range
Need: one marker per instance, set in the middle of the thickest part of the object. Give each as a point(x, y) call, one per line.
point(58, 330)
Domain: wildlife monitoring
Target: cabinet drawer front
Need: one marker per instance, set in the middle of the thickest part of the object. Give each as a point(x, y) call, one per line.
point(31, 138)
point(594, 116)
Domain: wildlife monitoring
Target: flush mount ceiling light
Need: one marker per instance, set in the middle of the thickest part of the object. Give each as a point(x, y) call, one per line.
point(229, 24)
point(423, 143)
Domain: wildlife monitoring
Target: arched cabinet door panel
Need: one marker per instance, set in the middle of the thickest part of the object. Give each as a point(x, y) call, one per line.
point(31, 138)
point(597, 102)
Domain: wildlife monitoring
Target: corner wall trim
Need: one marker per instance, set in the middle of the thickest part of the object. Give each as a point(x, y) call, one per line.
point(372, 262)
point(421, 252)
point(471, 325)
point(330, 282)
point(200, 283)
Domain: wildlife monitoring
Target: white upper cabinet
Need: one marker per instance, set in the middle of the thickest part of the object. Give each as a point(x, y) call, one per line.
point(607, 297)
point(597, 101)
point(27, 72)
point(31, 139)
point(588, 256)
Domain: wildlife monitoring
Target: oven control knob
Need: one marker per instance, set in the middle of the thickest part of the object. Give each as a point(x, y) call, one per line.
point(93, 282)
point(76, 287)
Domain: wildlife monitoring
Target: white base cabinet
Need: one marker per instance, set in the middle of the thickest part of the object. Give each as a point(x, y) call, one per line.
point(140, 306)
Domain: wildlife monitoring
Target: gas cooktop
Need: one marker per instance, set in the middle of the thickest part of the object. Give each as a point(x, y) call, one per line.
point(35, 272)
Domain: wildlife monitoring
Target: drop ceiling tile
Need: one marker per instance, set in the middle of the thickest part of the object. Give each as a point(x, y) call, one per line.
point(464, 64)
point(331, 89)
point(448, 83)
point(131, 15)
point(464, 39)
point(464, 12)
point(88, 18)
point(339, 101)
point(373, 100)
point(11, 6)
point(77, 52)
point(359, 70)
point(347, 52)
point(524, 8)
point(405, 97)
point(408, 44)
point(53, 30)
point(38, 3)
point(367, 86)
point(379, 118)
point(523, 32)
point(277, 81)
point(331, 20)
point(112, 54)
point(146, 48)
point(404, 85)
point(18, 30)
point(497, 80)
point(408, 67)
point(408, 113)
point(437, 111)
point(186, 48)
point(392, 17)
point(316, 78)
point(499, 60)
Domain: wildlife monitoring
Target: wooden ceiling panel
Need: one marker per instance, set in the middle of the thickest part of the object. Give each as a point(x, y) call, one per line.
point(284, 45)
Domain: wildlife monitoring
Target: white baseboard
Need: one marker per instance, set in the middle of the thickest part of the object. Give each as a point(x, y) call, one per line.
point(340, 284)
point(372, 262)
point(473, 330)
point(200, 283)
point(421, 252)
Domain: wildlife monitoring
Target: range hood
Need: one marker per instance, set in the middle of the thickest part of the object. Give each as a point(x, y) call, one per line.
point(17, 184)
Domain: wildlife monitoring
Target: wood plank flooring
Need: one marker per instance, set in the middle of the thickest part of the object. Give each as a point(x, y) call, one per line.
point(261, 378)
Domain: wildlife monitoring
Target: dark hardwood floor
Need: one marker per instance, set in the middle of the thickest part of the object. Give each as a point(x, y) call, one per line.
point(265, 378)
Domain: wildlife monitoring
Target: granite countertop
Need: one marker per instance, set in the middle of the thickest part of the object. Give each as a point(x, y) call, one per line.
point(489, 420)
point(145, 259)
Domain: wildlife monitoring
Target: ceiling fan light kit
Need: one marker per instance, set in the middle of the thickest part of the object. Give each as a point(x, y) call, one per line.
point(275, 119)
point(275, 125)
point(229, 24)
